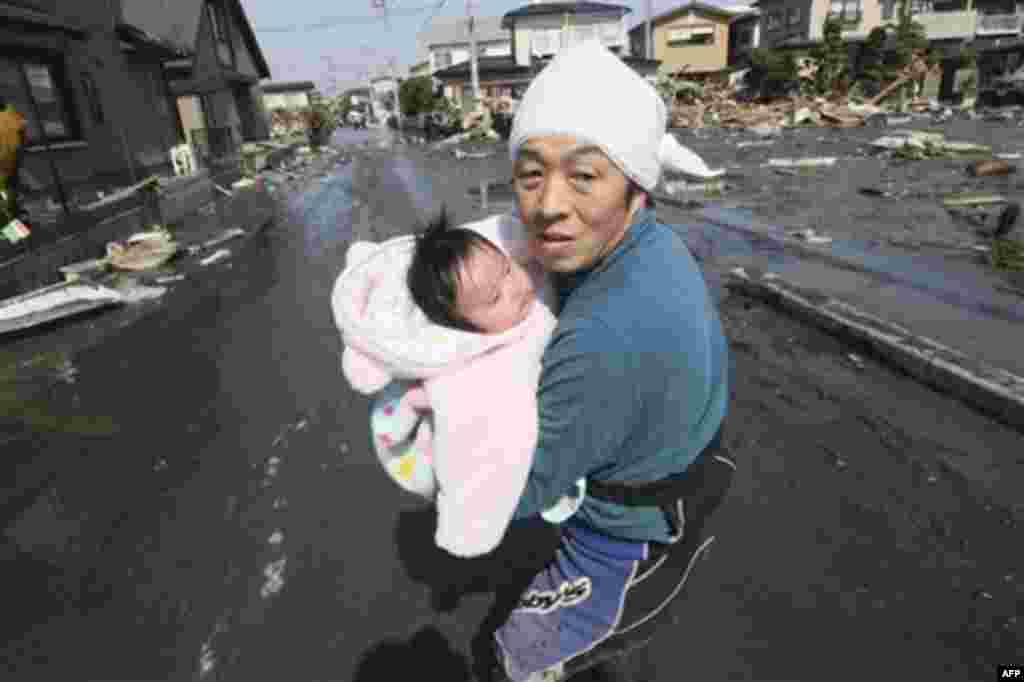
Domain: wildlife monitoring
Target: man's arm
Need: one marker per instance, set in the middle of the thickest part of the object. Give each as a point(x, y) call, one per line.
point(585, 404)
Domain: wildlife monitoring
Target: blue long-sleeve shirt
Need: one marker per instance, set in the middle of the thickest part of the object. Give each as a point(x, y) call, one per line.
point(634, 382)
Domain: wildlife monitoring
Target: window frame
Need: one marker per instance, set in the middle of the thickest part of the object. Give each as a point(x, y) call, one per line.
point(220, 26)
point(63, 92)
point(851, 13)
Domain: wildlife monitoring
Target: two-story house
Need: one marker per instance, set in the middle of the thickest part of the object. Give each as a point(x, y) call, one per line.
point(796, 23)
point(90, 78)
point(446, 43)
point(216, 83)
point(537, 32)
point(691, 38)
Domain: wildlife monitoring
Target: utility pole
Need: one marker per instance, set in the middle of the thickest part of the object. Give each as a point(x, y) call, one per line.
point(398, 99)
point(474, 69)
point(648, 42)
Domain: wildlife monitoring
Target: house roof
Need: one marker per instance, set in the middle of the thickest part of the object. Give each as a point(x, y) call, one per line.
point(698, 7)
point(177, 24)
point(287, 86)
point(444, 31)
point(147, 44)
point(560, 8)
point(30, 17)
point(487, 67)
point(250, 39)
point(492, 67)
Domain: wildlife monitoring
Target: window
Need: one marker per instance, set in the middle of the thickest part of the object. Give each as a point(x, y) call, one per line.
point(92, 96)
point(35, 88)
point(221, 28)
point(773, 20)
point(848, 11)
point(687, 37)
point(793, 16)
point(920, 6)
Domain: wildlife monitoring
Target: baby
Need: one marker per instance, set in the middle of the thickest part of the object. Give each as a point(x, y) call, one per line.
point(460, 279)
point(446, 329)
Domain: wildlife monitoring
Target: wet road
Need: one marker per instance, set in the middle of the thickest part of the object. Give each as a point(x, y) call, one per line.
point(211, 509)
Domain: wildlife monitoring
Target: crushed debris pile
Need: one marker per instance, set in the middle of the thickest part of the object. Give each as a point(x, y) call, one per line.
point(719, 104)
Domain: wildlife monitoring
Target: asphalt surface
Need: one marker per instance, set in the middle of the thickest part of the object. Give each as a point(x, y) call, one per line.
point(213, 510)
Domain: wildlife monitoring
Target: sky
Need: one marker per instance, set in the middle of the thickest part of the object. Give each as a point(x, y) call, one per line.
point(336, 41)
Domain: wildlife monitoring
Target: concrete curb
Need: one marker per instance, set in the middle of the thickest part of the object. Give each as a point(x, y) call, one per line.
point(989, 389)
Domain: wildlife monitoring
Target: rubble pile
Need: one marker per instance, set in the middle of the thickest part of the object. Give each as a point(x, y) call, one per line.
point(720, 104)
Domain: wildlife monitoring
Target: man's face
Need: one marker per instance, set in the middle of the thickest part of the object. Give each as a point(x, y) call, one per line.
point(572, 199)
point(494, 292)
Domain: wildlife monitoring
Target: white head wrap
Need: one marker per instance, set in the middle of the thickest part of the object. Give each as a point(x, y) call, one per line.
point(588, 92)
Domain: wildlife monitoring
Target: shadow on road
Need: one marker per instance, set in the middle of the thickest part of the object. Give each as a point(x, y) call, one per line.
point(427, 652)
point(505, 572)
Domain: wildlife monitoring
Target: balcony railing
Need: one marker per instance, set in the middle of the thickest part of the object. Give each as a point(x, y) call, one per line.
point(1000, 24)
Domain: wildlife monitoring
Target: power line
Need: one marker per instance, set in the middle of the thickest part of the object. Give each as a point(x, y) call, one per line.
point(332, 22)
point(432, 15)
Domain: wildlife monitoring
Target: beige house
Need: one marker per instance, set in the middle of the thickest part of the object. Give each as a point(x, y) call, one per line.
point(692, 38)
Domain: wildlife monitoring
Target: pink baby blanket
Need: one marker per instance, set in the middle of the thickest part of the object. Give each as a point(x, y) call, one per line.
point(456, 417)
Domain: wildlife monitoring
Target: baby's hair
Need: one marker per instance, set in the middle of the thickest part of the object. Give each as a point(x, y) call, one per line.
point(433, 277)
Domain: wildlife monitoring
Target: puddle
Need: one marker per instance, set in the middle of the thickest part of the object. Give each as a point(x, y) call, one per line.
point(927, 274)
point(419, 187)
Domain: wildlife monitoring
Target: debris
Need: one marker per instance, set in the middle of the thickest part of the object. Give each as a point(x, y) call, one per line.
point(1010, 157)
point(972, 199)
point(276, 538)
point(461, 155)
point(53, 303)
point(74, 272)
point(755, 143)
point(1007, 220)
point(898, 120)
point(15, 231)
point(982, 169)
point(136, 293)
point(766, 130)
point(682, 186)
point(802, 163)
point(150, 183)
point(142, 251)
point(244, 183)
point(215, 257)
point(856, 360)
point(226, 192)
point(919, 144)
point(227, 235)
point(169, 279)
point(810, 236)
point(877, 192)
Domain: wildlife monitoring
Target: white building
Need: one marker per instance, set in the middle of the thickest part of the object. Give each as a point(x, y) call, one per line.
point(445, 42)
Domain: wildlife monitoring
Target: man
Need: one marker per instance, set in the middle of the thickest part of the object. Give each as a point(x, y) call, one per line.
point(634, 386)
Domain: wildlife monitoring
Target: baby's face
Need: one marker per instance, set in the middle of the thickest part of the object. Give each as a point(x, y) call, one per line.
point(495, 293)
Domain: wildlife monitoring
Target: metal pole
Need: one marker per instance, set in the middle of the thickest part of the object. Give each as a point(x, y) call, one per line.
point(473, 65)
point(398, 99)
point(648, 42)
